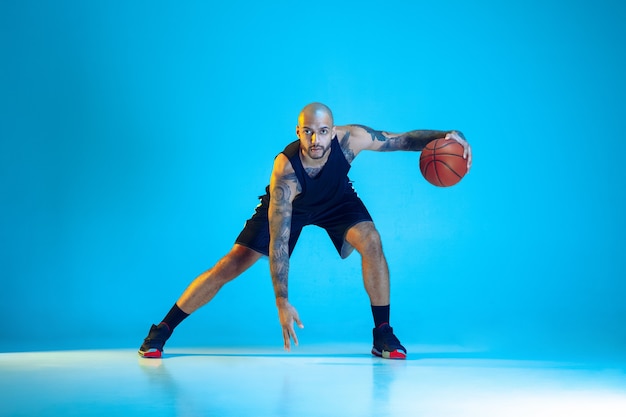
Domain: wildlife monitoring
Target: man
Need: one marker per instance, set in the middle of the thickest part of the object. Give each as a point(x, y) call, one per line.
point(309, 185)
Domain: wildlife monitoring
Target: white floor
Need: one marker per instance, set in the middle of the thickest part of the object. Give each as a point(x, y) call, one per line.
point(320, 381)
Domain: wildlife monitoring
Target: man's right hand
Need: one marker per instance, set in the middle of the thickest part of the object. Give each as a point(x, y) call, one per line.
point(287, 315)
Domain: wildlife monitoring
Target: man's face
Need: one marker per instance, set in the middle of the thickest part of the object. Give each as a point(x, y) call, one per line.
point(315, 131)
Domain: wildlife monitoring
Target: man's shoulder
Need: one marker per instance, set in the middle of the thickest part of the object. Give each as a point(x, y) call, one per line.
point(342, 131)
point(292, 149)
point(350, 132)
point(352, 139)
point(282, 165)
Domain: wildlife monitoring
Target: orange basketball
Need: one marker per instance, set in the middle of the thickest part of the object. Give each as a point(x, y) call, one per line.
point(442, 163)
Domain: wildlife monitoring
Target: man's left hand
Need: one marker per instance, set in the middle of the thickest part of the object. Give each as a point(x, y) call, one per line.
point(467, 149)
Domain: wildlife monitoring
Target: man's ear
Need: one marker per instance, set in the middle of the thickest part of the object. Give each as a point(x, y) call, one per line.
point(298, 131)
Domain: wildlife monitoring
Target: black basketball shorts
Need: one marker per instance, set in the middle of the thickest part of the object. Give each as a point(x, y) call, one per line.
point(336, 221)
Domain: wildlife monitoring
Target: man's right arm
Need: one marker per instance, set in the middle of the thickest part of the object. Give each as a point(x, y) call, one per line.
point(283, 189)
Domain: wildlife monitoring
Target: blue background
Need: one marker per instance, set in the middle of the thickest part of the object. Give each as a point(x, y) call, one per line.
point(136, 136)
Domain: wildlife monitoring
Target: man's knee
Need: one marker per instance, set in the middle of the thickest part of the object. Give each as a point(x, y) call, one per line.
point(243, 253)
point(365, 239)
point(237, 261)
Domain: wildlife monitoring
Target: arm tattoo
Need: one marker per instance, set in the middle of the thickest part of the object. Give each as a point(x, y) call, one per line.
point(344, 143)
point(414, 140)
point(375, 134)
point(280, 193)
point(280, 230)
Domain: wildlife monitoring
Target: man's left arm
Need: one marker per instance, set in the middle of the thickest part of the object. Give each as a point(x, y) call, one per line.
point(358, 137)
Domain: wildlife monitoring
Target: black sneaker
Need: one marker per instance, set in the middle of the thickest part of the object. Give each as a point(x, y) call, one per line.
point(152, 346)
point(386, 344)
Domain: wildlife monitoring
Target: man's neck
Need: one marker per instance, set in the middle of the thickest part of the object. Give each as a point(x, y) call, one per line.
point(309, 162)
point(313, 166)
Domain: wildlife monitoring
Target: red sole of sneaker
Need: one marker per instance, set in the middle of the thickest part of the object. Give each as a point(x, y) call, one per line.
point(396, 354)
point(152, 353)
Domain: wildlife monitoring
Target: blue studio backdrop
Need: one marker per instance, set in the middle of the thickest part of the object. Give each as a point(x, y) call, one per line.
point(136, 136)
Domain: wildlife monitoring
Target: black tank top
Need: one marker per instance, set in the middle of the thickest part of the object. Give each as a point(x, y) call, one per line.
point(329, 186)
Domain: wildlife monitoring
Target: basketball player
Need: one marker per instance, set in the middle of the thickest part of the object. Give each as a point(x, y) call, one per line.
point(309, 185)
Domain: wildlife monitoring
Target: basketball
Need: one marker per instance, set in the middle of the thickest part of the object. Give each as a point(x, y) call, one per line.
point(442, 163)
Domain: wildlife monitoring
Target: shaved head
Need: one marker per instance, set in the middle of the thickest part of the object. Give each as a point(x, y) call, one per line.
point(315, 110)
point(315, 130)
